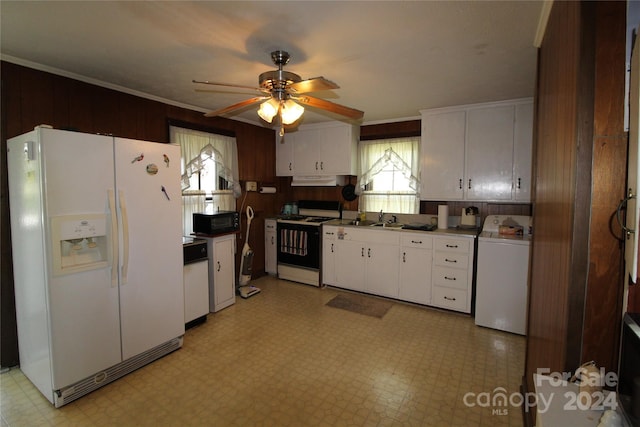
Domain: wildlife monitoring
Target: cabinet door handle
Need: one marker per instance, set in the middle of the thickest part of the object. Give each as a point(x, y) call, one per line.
point(290, 166)
point(460, 183)
point(519, 183)
point(469, 183)
point(450, 260)
point(218, 265)
point(449, 298)
point(369, 252)
point(321, 165)
point(450, 278)
point(404, 257)
point(316, 165)
point(272, 240)
point(332, 248)
point(451, 246)
point(362, 253)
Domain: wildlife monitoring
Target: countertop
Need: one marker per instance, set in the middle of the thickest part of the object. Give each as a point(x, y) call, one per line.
point(439, 231)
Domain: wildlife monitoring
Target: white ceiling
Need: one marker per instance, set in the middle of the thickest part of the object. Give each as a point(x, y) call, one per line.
point(390, 58)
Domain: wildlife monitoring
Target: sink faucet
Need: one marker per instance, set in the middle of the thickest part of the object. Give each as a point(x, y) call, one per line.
point(380, 216)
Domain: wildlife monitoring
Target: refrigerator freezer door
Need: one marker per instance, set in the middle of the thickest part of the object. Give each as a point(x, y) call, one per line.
point(83, 307)
point(152, 298)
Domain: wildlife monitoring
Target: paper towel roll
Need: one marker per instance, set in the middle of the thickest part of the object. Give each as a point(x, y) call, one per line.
point(267, 190)
point(443, 216)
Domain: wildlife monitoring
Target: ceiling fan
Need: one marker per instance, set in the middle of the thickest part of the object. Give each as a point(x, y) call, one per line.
point(284, 94)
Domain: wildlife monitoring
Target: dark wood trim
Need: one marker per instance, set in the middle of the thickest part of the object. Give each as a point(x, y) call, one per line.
point(391, 130)
point(198, 127)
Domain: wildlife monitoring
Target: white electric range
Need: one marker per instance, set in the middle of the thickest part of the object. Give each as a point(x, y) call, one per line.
point(299, 240)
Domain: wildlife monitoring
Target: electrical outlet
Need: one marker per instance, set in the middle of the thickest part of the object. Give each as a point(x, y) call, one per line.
point(252, 186)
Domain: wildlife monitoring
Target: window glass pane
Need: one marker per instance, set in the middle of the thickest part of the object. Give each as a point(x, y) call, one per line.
point(208, 176)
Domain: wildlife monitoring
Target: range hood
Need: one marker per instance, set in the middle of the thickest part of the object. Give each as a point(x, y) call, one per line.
point(318, 181)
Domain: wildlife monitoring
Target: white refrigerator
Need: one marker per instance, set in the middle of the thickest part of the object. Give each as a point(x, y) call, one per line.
point(96, 235)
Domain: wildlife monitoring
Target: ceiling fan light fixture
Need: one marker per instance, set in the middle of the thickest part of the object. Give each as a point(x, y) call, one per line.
point(268, 110)
point(290, 111)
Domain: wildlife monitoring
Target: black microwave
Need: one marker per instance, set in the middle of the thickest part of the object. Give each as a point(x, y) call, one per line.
point(216, 223)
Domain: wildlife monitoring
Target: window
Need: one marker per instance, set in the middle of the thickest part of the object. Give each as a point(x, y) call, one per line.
point(388, 179)
point(209, 167)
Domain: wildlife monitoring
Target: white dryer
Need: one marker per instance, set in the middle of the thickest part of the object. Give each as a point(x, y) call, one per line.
point(502, 273)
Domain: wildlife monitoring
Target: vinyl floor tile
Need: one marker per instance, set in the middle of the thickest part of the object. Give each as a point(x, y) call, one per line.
point(284, 358)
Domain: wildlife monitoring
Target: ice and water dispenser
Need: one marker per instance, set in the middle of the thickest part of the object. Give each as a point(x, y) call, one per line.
point(79, 242)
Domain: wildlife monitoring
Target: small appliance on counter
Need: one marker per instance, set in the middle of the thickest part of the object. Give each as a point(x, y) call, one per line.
point(216, 223)
point(468, 217)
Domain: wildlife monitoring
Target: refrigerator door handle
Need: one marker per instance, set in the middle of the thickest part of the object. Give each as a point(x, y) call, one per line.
point(125, 238)
point(114, 238)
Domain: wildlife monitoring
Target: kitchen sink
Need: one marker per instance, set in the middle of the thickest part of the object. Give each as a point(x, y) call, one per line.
point(366, 222)
point(387, 224)
point(392, 225)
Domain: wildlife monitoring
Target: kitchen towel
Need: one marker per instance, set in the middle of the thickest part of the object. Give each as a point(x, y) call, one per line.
point(293, 242)
point(443, 216)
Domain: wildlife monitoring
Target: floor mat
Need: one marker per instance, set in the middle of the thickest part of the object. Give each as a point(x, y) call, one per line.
point(361, 304)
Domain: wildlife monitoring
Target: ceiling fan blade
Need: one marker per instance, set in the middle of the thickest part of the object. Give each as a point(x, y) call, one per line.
point(237, 106)
point(207, 82)
point(312, 85)
point(329, 106)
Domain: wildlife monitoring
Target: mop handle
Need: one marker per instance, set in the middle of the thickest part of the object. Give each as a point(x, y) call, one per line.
point(249, 218)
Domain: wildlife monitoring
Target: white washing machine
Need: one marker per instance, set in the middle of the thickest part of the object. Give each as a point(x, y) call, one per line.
point(502, 273)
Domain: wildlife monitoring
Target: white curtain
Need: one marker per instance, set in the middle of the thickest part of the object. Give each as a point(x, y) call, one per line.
point(198, 147)
point(404, 155)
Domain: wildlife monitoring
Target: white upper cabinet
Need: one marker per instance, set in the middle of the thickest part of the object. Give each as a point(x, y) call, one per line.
point(478, 152)
point(318, 150)
point(442, 168)
point(284, 154)
point(523, 152)
point(489, 153)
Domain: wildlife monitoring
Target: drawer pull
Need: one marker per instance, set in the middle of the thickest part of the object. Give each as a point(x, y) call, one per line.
point(329, 233)
point(449, 299)
point(450, 278)
point(417, 241)
point(451, 246)
point(450, 260)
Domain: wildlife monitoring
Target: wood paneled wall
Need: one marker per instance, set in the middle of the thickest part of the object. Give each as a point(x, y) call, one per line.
point(575, 292)
point(31, 97)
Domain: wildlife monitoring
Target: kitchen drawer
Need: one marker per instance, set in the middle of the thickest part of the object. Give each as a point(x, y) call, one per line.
point(416, 240)
point(329, 232)
point(454, 299)
point(451, 259)
point(451, 278)
point(452, 245)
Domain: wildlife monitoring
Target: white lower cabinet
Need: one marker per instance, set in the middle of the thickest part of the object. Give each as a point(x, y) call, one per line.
point(452, 272)
point(381, 271)
point(350, 265)
point(270, 249)
point(328, 272)
point(415, 268)
point(418, 267)
point(222, 283)
point(367, 261)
